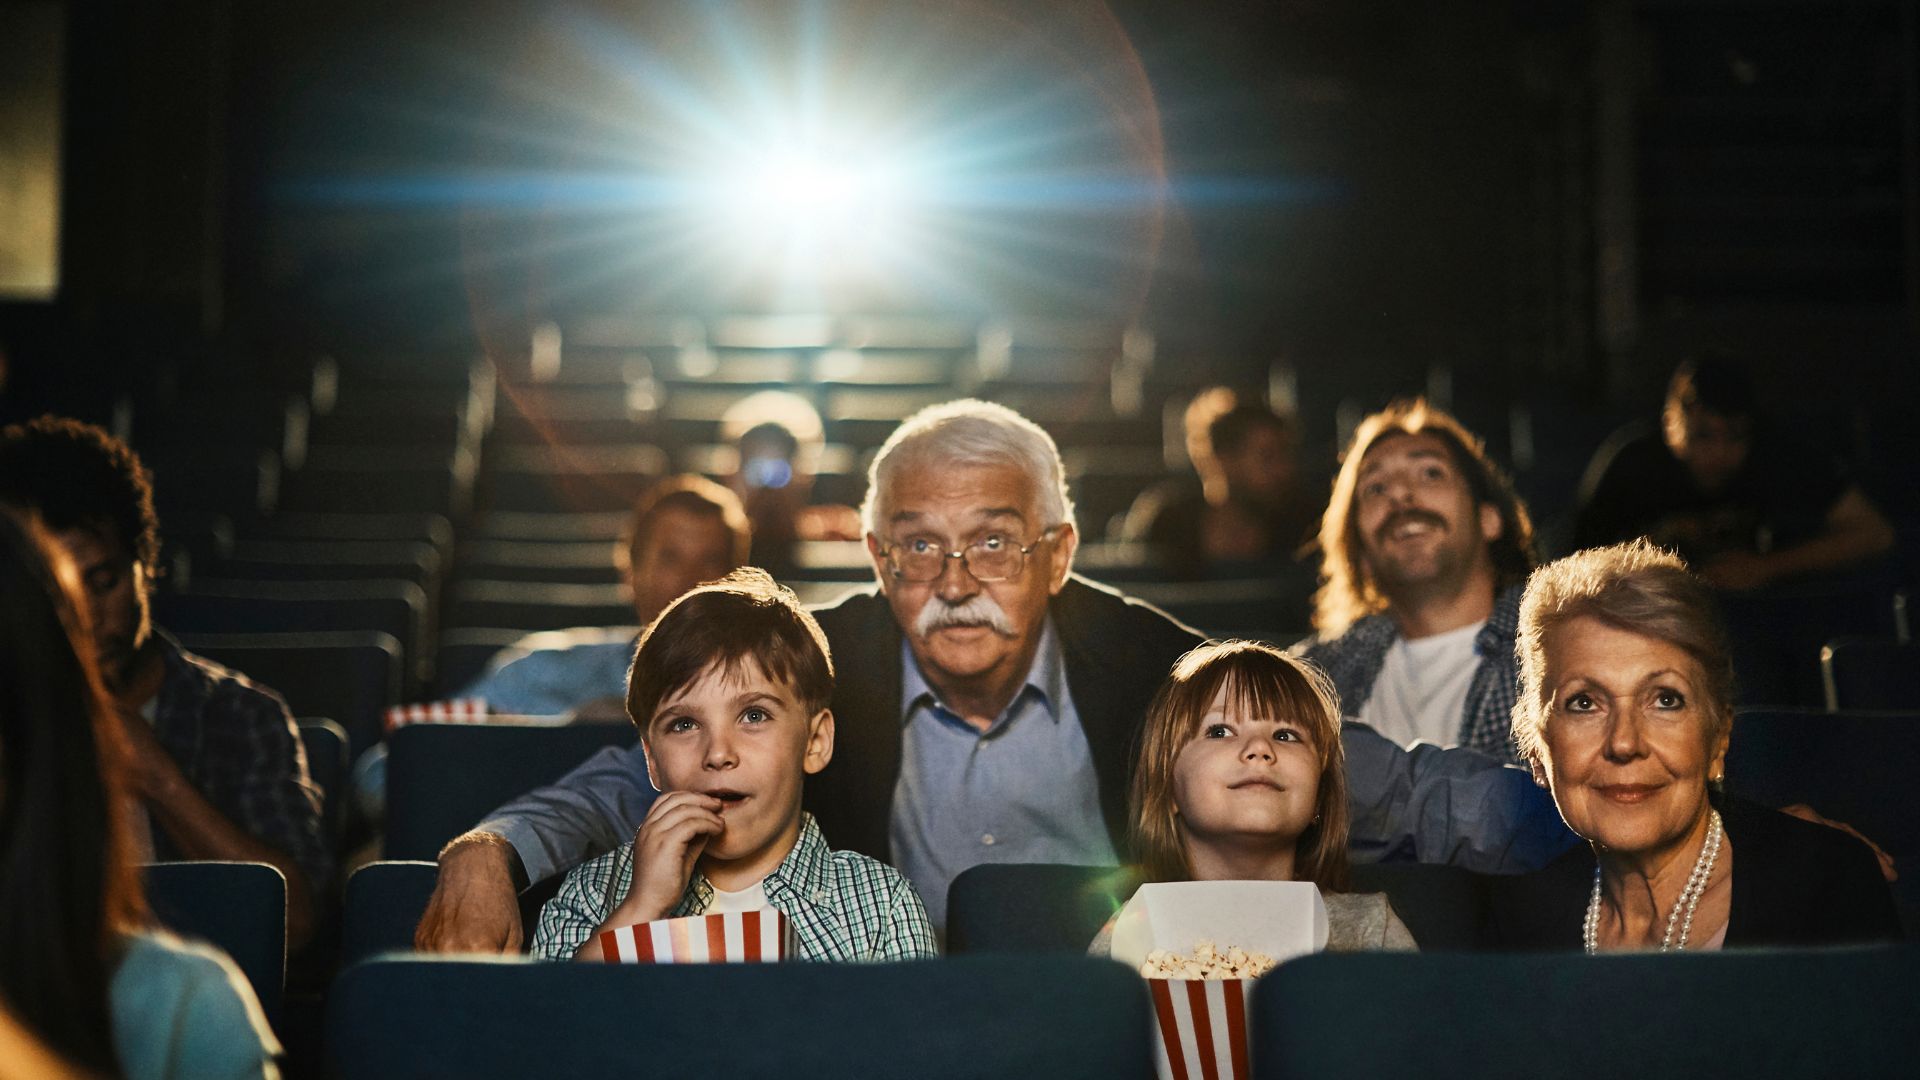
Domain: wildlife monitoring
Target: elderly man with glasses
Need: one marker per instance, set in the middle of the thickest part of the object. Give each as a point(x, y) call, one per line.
point(986, 707)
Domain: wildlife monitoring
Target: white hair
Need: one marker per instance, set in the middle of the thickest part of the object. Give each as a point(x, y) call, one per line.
point(969, 432)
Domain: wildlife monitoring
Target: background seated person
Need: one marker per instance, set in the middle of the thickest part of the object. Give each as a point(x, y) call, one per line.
point(777, 439)
point(1625, 713)
point(79, 965)
point(216, 762)
point(1425, 550)
point(1249, 509)
point(729, 691)
point(1745, 501)
point(684, 531)
point(1242, 778)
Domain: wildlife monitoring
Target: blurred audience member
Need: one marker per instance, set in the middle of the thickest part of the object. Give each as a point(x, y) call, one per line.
point(1248, 507)
point(216, 761)
point(78, 965)
point(1425, 549)
point(778, 438)
point(684, 531)
point(1625, 714)
point(1744, 500)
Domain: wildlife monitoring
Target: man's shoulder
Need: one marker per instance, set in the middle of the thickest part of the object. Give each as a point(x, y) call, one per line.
point(1635, 451)
point(1364, 634)
point(193, 681)
point(1505, 619)
point(859, 602)
point(589, 638)
point(857, 624)
point(578, 646)
point(1089, 606)
point(1783, 457)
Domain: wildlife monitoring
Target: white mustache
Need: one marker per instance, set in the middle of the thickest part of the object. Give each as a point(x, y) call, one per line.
point(976, 610)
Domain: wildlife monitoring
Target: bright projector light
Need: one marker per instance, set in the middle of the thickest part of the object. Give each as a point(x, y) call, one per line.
point(810, 192)
point(799, 185)
point(811, 212)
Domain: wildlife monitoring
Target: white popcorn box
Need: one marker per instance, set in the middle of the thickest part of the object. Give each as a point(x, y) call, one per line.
point(737, 937)
point(1202, 1023)
point(451, 711)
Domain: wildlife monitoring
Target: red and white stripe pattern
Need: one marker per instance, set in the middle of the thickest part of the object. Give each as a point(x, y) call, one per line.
point(737, 937)
point(453, 711)
point(1203, 1028)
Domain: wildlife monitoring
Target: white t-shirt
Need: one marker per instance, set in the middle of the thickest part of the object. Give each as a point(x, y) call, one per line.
point(1421, 692)
point(751, 898)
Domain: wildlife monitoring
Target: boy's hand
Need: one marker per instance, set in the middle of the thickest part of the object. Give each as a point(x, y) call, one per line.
point(669, 843)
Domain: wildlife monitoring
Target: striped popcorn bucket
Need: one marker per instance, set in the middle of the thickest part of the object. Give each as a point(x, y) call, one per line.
point(451, 711)
point(1202, 1024)
point(739, 937)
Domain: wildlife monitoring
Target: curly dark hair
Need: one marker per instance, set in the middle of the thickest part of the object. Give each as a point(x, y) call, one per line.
point(74, 475)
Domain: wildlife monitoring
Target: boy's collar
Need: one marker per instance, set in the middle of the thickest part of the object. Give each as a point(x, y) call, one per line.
point(802, 875)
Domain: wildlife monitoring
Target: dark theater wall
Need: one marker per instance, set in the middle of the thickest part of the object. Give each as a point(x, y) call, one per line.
point(1569, 193)
point(1373, 178)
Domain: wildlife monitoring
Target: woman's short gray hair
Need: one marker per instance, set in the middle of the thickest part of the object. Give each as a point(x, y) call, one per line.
point(969, 432)
point(1636, 587)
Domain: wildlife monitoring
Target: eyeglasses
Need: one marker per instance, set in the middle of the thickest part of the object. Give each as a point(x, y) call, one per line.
point(990, 558)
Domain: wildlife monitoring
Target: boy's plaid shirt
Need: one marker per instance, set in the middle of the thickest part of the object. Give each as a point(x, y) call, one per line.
point(1354, 659)
point(845, 907)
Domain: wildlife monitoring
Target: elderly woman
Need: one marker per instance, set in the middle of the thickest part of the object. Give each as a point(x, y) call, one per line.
point(1625, 713)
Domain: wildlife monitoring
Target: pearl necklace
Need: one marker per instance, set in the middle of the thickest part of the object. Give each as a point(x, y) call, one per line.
point(1688, 900)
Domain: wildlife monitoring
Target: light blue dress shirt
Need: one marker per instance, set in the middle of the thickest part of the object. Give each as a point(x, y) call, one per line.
point(1022, 791)
point(557, 671)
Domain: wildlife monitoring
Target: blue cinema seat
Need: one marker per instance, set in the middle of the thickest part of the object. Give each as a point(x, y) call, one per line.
point(326, 746)
point(239, 906)
point(443, 778)
point(1838, 1012)
point(1002, 1016)
point(384, 903)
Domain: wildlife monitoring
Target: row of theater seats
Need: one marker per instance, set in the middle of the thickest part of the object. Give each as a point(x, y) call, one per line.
point(1012, 1000)
point(1066, 1017)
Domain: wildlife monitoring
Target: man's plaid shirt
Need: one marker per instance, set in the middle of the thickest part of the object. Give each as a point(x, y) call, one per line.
point(845, 907)
point(1353, 660)
point(240, 748)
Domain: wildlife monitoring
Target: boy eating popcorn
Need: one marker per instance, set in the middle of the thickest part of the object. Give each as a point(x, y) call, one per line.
point(729, 689)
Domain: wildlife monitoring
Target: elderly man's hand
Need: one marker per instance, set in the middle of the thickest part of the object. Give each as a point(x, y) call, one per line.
point(474, 907)
point(1808, 813)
